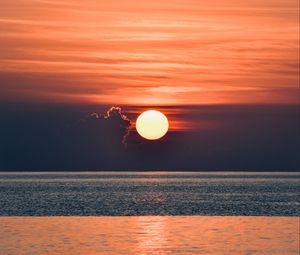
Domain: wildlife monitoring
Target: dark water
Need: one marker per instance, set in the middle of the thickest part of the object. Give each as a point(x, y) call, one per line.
point(149, 193)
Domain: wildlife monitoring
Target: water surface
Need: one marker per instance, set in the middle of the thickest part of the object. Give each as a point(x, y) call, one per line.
point(207, 235)
point(149, 193)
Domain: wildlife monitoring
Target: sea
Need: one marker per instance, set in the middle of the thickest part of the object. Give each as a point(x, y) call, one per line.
point(149, 213)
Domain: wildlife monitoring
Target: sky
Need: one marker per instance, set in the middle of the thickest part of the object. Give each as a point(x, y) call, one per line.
point(149, 52)
point(74, 76)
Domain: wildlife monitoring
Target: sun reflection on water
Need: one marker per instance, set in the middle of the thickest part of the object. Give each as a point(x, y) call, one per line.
point(152, 236)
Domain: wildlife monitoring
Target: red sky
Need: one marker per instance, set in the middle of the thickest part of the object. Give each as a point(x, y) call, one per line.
point(149, 52)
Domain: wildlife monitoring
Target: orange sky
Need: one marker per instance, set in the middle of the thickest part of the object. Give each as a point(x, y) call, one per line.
point(149, 52)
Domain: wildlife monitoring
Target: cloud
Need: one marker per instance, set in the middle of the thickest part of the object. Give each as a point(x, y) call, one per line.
point(113, 120)
point(107, 52)
point(234, 137)
point(98, 139)
point(56, 139)
point(113, 126)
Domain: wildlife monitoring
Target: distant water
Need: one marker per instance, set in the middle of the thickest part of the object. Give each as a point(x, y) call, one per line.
point(149, 235)
point(149, 193)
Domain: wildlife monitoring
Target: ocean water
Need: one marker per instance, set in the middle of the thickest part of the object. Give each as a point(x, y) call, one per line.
point(149, 193)
point(149, 235)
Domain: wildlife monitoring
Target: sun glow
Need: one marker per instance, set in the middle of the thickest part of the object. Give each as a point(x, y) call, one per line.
point(152, 125)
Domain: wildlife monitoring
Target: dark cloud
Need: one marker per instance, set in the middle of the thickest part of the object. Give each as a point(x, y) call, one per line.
point(236, 137)
point(97, 139)
point(113, 122)
point(56, 138)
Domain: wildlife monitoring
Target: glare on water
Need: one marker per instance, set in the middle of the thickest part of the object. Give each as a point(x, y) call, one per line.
point(149, 235)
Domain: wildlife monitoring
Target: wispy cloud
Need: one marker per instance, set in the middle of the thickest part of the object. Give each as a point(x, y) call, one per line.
point(168, 52)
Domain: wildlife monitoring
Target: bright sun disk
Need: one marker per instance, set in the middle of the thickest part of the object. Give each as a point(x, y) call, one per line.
point(152, 125)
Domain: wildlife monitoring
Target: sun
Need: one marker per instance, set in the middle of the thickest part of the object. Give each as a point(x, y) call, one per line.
point(152, 125)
